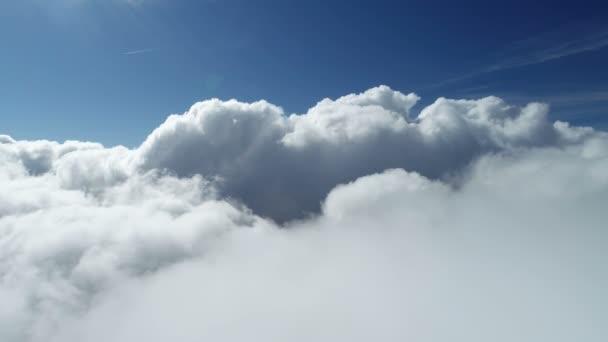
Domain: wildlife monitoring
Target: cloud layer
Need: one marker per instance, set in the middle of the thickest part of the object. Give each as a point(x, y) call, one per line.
point(473, 221)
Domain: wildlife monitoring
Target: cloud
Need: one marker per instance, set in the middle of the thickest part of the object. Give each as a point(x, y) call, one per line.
point(551, 46)
point(137, 52)
point(541, 48)
point(474, 221)
point(282, 166)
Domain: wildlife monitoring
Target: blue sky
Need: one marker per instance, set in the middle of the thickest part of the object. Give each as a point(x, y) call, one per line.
point(112, 70)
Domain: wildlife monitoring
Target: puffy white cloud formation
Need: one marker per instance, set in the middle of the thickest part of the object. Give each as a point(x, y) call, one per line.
point(474, 221)
point(283, 166)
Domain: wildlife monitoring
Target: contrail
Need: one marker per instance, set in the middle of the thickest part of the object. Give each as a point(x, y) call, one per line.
point(139, 51)
point(553, 49)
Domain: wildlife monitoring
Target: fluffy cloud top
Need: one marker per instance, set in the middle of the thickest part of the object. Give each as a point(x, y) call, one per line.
point(474, 221)
point(283, 166)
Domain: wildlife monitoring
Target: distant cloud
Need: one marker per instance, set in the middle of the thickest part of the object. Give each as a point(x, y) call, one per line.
point(540, 49)
point(136, 52)
point(475, 220)
point(536, 51)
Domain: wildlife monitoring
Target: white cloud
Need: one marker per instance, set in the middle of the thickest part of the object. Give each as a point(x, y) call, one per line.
point(282, 166)
point(475, 221)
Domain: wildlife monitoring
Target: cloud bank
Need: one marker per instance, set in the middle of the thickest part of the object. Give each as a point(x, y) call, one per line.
point(472, 221)
point(282, 166)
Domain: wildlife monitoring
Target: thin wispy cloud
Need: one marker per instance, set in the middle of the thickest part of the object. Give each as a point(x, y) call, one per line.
point(137, 52)
point(538, 49)
point(554, 51)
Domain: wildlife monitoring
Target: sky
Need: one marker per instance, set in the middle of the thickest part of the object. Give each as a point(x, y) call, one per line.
point(112, 70)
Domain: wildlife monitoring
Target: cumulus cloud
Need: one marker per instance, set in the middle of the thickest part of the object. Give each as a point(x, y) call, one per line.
point(473, 221)
point(282, 166)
